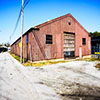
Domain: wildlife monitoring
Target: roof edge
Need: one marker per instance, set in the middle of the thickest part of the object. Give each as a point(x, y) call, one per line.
point(59, 18)
point(48, 22)
point(32, 28)
point(52, 20)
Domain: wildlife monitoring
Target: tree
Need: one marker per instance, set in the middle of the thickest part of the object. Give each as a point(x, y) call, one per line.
point(7, 44)
point(94, 34)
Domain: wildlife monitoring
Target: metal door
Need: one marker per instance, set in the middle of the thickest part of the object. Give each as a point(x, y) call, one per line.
point(69, 44)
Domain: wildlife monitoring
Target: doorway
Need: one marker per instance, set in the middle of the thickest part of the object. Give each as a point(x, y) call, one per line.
point(69, 44)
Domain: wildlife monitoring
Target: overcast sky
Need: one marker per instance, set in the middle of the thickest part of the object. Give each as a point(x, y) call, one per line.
point(87, 12)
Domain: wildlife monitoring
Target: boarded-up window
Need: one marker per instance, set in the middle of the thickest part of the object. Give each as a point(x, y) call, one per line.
point(49, 39)
point(84, 41)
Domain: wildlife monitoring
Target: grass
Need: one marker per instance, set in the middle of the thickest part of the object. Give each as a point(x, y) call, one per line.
point(48, 62)
point(17, 57)
point(88, 59)
point(39, 64)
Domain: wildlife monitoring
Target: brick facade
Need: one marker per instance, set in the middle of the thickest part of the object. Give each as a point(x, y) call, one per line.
point(37, 46)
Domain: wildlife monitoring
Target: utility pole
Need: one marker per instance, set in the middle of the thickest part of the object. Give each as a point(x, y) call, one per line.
point(21, 33)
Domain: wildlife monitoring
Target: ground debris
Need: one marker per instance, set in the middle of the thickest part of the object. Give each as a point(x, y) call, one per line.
point(73, 81)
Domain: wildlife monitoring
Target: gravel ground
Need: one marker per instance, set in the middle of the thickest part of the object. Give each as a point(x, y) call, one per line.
point(76, 80)
point(15, 85)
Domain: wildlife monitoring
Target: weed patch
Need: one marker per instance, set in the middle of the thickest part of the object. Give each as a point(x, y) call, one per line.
point(88, 59)
point(18, 57)
point(98, 66)
point(39, 64)
point(48, 62)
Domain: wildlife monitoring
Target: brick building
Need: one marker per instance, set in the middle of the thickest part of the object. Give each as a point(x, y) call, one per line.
point(57, 38)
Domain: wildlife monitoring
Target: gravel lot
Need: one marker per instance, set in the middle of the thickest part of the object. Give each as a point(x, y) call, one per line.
point(76, 80)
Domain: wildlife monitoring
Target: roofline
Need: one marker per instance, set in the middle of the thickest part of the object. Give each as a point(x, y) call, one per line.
point(80, 25)
point(53, 20)
point(49, 22)
point(59, 18)
point(32, 28)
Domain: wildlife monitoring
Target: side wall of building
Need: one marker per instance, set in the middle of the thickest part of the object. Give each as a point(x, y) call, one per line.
point(15, 48)
point(37, 49)
point(81, 33)
point(57, 29)
point(27, 45)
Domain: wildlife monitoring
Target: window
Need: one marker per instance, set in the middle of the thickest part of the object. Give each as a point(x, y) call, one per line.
point(27, 38)
point(48, 39)
point(84, 41)
point(69, 23)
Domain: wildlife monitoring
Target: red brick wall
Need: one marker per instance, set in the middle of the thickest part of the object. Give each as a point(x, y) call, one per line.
point(79, 34)
point(57, 29)
point(40, 50)
point(15, 48)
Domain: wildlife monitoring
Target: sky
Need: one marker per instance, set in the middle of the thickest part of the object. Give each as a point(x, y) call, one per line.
point(86, 12)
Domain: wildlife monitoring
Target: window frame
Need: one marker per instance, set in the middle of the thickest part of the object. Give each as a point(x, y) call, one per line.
point(83, 41)
point(49, 39)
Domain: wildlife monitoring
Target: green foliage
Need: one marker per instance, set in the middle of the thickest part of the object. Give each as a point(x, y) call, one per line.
point(94, 34)
point(18, 58)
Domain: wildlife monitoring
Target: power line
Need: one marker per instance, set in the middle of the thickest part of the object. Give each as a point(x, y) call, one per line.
point(25, 4)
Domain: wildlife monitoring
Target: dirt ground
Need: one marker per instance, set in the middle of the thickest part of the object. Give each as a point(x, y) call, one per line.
point(78, 80)
point(75, 80)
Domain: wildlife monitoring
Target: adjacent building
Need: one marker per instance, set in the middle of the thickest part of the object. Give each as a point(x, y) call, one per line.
point(58, 38)
point(95, 45)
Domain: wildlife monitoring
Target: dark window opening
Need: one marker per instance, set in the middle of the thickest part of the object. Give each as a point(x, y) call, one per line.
point(69, 23)
point(84, 41)
point(27, 38)
point(49, 39)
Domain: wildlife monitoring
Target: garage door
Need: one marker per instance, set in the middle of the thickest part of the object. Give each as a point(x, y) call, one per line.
point(69, 44)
